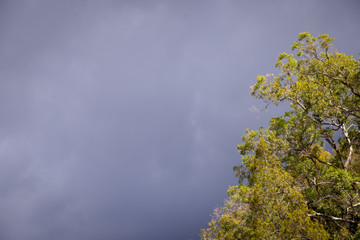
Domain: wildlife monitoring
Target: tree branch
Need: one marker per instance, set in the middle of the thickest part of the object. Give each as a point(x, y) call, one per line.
point(351, 149)
point(332, 217)
point(342, 82)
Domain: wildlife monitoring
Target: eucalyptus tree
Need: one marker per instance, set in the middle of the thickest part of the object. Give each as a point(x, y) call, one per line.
point(303, 171)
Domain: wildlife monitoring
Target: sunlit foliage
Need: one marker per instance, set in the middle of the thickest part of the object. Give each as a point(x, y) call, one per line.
point(303, 172)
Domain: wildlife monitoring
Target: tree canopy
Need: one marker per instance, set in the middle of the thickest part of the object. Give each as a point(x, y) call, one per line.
point(300, 177)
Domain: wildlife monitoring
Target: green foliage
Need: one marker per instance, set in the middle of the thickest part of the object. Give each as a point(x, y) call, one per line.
point(303, 171)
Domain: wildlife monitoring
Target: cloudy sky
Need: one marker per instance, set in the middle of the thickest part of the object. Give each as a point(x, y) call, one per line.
point(120, 119)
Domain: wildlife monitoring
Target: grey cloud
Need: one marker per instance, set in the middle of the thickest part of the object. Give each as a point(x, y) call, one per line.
point(120, 118)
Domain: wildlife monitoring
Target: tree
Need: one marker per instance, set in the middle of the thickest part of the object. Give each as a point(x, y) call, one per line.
point(303, 171)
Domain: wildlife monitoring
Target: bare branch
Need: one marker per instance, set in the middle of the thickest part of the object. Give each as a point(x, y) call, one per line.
point(332, 217)
point(351, 149)
point(352, 206)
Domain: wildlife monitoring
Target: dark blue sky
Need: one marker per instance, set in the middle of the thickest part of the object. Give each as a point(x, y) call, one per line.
point(120, 119)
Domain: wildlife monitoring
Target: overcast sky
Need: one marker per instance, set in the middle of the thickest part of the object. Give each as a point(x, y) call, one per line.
point(120, 119)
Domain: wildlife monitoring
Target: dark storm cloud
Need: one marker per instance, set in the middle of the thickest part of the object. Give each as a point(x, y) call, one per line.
point(120, 118)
